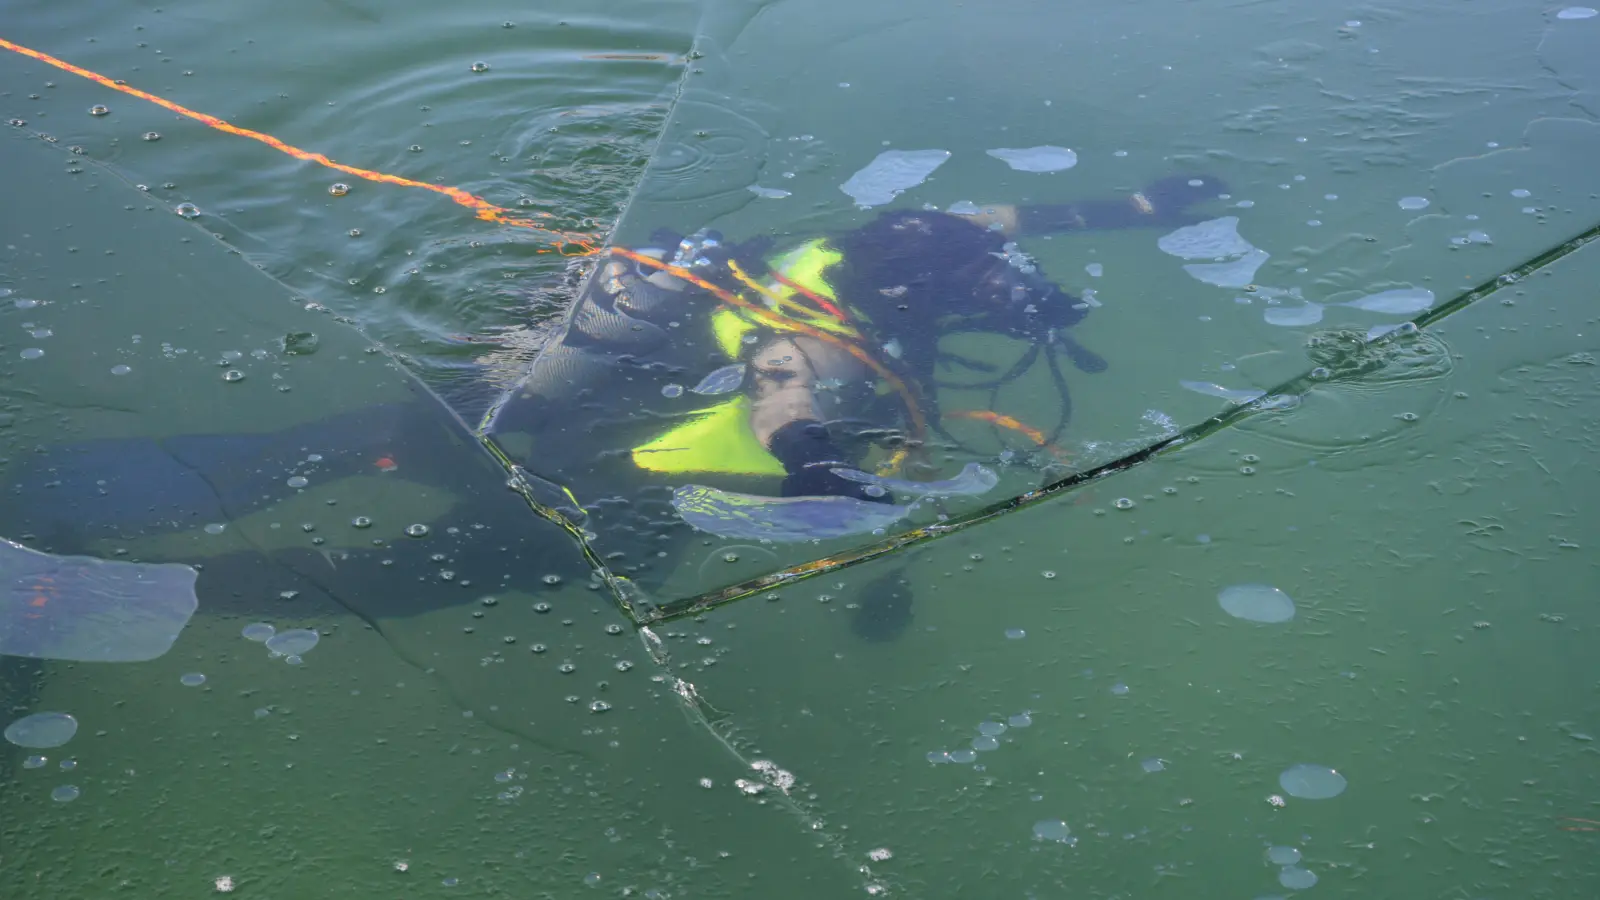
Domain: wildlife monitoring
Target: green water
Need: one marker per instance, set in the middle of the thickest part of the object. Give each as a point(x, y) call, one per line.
point(1431, 519)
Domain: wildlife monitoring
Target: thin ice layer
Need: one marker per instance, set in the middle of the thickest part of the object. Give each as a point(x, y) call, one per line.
point(892, 172)
point(90, 610)
point(781, 519)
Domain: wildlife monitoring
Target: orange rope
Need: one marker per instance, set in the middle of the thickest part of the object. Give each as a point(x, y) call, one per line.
point(758, 287)
point(1001, 420)
point(813, 296)
point(483, 208)
point(919, 422)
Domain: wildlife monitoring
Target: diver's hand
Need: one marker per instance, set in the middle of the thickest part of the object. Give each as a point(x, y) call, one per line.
point(820, 481)
point(1169, 198)
point(809, 455)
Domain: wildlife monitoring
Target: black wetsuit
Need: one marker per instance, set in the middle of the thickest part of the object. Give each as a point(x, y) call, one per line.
point(915, 276)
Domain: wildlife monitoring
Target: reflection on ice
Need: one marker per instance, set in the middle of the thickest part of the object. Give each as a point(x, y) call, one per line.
point(892, 172)
point(786, 519)
point(1037, 159)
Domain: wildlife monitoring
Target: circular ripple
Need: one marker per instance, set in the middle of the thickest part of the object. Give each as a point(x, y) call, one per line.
point(709, 150)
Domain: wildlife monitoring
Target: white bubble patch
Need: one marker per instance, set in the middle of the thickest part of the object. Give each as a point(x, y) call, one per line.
point(1399, 302)
point(1256, 603)
point(42, 731)
point(1293, 316)
point(1312, 782)
point(891, 173)
point(1046, 158)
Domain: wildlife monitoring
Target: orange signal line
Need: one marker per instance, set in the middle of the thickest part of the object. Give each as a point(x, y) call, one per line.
point(483, 209)
point(1001, 420)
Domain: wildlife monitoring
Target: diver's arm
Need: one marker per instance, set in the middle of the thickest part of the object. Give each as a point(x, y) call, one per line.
point(786, 419)
point(1163, 203)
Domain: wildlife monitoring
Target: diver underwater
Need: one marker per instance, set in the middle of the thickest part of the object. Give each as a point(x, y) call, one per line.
point(769, 390)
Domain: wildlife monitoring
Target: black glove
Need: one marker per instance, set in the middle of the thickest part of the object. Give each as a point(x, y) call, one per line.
point(809, 455)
